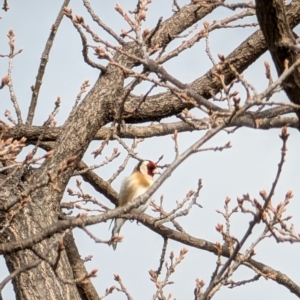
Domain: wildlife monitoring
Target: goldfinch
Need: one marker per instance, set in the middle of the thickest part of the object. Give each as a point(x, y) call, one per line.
point(132, 187)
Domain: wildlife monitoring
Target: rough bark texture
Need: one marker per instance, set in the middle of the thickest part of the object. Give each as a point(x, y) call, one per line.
point(41, 281)
point(42, 208)
point(85, 287)
point(281, 42)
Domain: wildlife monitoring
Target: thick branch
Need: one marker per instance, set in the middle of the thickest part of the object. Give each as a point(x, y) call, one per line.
point(164, 231)
point(267, 119)
point(281, 42)
point(209, 84)
point(180, 21)
point(85, 287)
point(99, 184)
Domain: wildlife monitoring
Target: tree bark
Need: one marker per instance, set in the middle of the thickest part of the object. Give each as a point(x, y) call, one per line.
point(281, 43)
point(41, 206)
point(39, 282)
point(38, 192)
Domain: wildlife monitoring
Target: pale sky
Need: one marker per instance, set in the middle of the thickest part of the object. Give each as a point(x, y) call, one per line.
point(248, 167)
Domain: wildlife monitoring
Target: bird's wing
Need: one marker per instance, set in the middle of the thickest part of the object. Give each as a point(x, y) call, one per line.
point(126, 191)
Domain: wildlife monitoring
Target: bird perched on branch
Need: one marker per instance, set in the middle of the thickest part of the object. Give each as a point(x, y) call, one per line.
point(132, 187)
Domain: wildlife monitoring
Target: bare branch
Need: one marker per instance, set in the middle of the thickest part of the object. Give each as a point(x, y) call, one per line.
point(76, 22)
point(101, 24)
point(12, 54)
point(43, 64)
point(15, 273)
point(162, 257)
point(122, 287)
point(5, 5)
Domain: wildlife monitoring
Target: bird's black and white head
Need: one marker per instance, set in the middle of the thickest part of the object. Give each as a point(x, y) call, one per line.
point(147, 167)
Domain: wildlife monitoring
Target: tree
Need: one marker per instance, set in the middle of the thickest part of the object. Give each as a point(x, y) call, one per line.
point(37, 237)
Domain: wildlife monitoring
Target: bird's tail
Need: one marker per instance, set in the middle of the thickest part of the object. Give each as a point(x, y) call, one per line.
point(116, 230)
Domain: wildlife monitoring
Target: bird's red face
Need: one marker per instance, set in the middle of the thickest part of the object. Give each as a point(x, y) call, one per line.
point(152, 168)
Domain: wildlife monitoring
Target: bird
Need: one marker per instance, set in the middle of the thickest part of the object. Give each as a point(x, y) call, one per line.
point(133, 186)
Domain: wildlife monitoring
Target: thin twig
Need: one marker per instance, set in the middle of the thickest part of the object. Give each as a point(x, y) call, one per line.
point(16, 272)
point(115, 154)
point(144, 98)
point(123, 165)
point(280, 80)
point(83, 87)
point(5, 6)
point(43, 64)
point(123, 288)
point(284, 136)
point(203, 32)
point(92, 236)
point(162, 256)
point(176, 7)
point(35, 263)
point(85, 45)
point(11, 55)
point(122, 103)
point(152, 33)
point(101, 24)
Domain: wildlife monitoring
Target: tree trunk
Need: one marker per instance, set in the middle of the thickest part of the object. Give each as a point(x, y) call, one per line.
point(39, 282)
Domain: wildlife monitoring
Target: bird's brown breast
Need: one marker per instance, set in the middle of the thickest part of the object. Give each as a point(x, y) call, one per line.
point(142, 180)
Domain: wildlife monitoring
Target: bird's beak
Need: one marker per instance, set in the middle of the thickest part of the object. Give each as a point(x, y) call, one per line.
point(155, 171)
